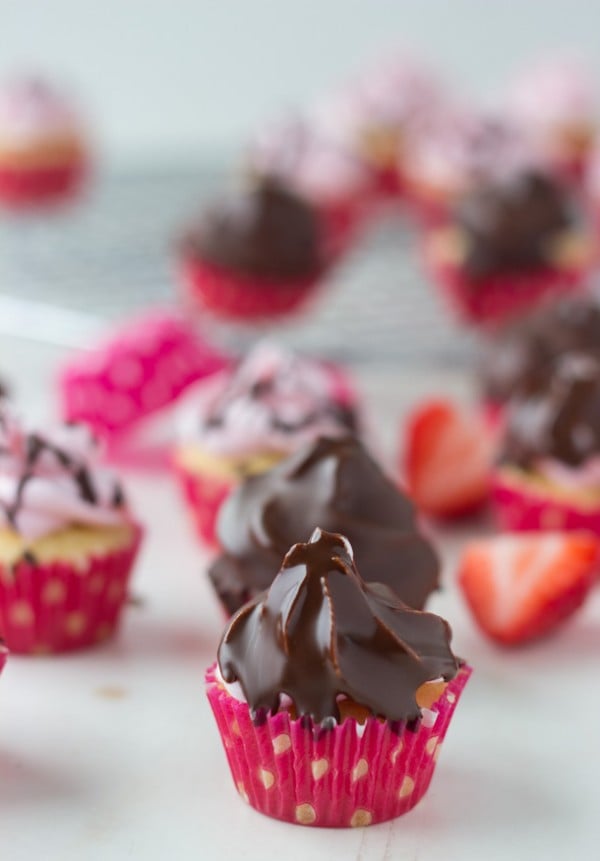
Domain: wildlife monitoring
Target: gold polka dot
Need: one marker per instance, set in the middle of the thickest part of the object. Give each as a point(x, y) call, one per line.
point(235, 728)
point(360, 770)
point(407, 787)
point(396, 753)
point(267, 778)
point(21, 614)
point(54, 592)
point(96, 584)
point(103, 632)
point(431, 745)
point(305, 814)
point(451, 698)
point(360, 818)
point(436, 753)
point(75, 624)
point(242, 791)
point(42, 649)
point(281, 743)
point(319, 767)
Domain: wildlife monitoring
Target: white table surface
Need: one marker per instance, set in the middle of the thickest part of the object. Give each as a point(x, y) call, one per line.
point(113, 753)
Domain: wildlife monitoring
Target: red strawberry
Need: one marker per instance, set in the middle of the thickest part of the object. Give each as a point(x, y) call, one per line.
point(520, 586)
point(448, 459)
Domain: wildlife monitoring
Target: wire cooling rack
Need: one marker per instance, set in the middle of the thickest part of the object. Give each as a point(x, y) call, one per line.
point(65, 274)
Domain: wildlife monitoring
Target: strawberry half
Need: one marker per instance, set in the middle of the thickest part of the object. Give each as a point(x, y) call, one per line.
point(521, 586)
point(448, 459)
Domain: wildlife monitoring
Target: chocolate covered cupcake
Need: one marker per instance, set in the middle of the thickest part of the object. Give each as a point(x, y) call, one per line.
point(333, 484)
point(508, 244)
point(332, 697)
point(256, 253)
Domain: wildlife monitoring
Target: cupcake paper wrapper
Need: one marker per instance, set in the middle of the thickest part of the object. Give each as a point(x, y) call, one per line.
point(20, 188)
point(497, 298)
point(238, 297)
point(204, 495)
point(343, 777)
point(143, 368)
point(57, 607)
point(3, 657)
point(521, 507)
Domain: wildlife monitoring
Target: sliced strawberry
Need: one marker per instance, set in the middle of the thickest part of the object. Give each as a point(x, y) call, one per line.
point(448, 459)
point(521, 586)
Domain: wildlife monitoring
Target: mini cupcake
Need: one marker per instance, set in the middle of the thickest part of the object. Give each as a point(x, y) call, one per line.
point(331, 696)
point(256, 254)
point(243, 421)
point(549, 473)
point(508, 245)
point(556, 103)
point(334, 483)
point(43, 155)
point(67, 541)
point(336, 181)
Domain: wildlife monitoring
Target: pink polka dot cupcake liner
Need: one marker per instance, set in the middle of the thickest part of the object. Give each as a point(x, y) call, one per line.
point(347, 776)
point(521, 506)
point(143, 368)
point(495, 299)
point(204, 495)
point(20, 189)
point(238, 297)
point(58, 607)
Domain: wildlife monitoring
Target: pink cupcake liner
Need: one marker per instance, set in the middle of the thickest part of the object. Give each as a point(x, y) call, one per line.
point(23, 188)
point(497, 298)
point(520, 506)
point(204, 495)
point(239, 297)
point(342, 777)
point(58, 607)
point(143, 368)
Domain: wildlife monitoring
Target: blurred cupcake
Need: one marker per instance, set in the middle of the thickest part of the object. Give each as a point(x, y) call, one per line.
point(331, 696)
point(336, 484)
point(507, 245)
point(556, 104)
point(549, 473)
point(258, 253)
point(336, 181)
point(43, 154)
point(243, 421)
point(67, 540)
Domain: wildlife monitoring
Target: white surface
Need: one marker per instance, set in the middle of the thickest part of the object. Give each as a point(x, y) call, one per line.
point(169, 78)
point(141, 774)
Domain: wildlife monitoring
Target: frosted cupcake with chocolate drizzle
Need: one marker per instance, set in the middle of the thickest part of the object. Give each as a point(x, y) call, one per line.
point(243, 421)
point(67, 539)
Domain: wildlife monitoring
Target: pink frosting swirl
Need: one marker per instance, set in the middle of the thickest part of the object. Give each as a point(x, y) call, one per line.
point(51, 480)
point(31, 111)
point(553, 95)
point(274, 401)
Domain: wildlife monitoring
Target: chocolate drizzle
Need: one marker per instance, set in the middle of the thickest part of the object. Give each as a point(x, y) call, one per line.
point(265, 231)
point(321, 633)
point(559, 419)
point(511, 223)
point(333, 484)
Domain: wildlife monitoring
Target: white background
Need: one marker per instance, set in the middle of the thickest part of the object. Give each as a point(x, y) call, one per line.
point(174, 78)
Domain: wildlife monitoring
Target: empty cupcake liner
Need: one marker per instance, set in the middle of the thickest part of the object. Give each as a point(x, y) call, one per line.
point(58, 607)
point(346, 776)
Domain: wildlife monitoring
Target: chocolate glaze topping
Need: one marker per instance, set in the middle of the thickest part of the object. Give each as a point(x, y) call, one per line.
point(524, 356)
point(559, 419)
point(333, 484)
point(510, 223)
point(321, 632)
point(265, 230)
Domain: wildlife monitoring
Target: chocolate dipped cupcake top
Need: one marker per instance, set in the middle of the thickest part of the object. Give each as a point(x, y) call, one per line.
point(333, 484)
point(518, 359)
point(321, 634)
point(513, 223)
point(266, 231)
point(558, 420)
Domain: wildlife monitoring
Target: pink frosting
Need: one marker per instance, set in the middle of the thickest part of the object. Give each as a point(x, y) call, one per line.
point(51, 479)
point(553, 95)
point(273, 401)
point(32, 111)
point(585, 477)
point(319, 168)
